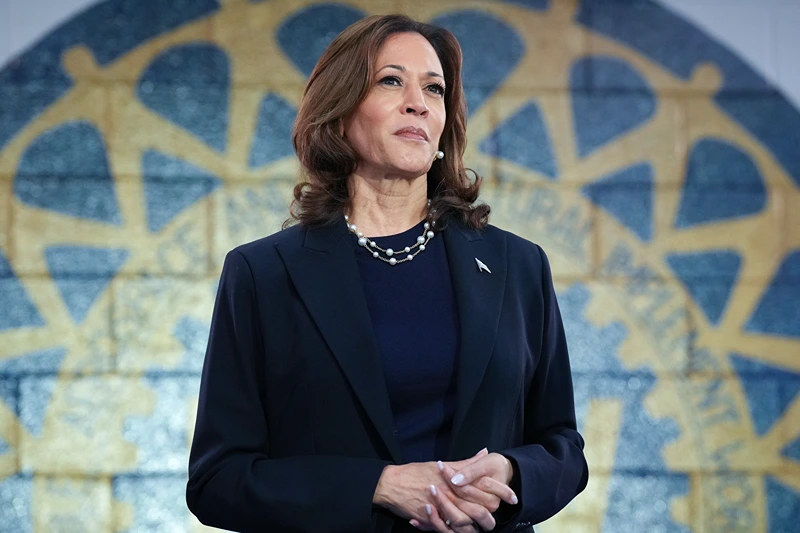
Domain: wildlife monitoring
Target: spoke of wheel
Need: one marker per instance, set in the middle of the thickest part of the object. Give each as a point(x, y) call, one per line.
point(789, 474)
point(173, 140)
point(633, 147)
point(558, 116)
point(54, 228)
point(740, 234)
point(786, 430)
point(242, 122)
point(777, 351)
point(745, 297)
point(28, 340)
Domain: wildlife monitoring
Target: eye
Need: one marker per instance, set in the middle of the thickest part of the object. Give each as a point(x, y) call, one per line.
point(437, 88)
point(391, 80)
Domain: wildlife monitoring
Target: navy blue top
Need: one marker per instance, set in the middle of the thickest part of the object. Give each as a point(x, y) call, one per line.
point(415, 320)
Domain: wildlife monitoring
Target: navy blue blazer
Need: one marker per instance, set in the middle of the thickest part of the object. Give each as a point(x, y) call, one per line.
point(294, 425)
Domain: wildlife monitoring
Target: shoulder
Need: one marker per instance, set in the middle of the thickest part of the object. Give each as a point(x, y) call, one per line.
point(528, 267)
point(519, 249)
point(290, 235)
point(262, 252)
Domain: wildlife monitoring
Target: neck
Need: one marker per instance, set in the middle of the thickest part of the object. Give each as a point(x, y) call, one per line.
point(387, 205)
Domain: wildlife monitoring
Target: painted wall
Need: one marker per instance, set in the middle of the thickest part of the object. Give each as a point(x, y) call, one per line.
point(141, 140)
point(760, 32)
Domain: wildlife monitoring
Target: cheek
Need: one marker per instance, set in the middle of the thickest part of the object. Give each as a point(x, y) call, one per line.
point(440, 120)
point(358, 136)
point(364, 127)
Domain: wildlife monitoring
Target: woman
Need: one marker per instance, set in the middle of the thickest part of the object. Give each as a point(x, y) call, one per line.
point(393, 362)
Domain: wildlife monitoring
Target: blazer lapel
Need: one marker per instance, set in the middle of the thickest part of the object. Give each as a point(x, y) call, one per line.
point(325, 272)
point(479, 299)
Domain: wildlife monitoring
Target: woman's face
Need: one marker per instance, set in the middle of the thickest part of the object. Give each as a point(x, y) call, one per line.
point(396, 129)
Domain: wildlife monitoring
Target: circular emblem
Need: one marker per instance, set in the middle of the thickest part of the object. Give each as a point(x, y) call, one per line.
point(139, 143)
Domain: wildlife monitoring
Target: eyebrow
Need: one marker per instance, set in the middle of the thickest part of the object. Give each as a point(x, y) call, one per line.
point(401, 68)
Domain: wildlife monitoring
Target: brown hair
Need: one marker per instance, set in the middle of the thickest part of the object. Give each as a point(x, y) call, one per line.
point(340, 81)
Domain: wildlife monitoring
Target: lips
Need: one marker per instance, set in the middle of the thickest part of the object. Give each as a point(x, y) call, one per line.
point(410, 132)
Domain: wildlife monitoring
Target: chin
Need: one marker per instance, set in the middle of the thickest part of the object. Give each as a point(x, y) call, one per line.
point(414, 171)
point(413, 166)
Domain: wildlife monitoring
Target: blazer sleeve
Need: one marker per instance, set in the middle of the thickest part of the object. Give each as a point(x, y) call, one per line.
point(550, 468)
point(233, 483)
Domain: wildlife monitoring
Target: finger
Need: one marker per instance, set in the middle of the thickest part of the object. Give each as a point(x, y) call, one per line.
point(436, 521)
point(481, 453)
point(486, 491)
point(493, 465)
point(449, 513)
point(463, 514)
point(468, 492)
point(422, 526)
point(473, 495)
point(496, 488)
point(470, 460)
point(478, 513)
point(469, 473)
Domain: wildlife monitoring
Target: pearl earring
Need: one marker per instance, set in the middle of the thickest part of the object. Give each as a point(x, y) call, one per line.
point(439, 154)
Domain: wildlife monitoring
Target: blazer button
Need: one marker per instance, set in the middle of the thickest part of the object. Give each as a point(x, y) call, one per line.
point(396, 432)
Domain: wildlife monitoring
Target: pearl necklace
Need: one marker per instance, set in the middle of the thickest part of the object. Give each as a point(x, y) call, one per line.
point(422, 240)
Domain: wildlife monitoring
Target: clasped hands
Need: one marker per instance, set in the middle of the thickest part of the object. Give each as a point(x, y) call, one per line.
point(448, 496)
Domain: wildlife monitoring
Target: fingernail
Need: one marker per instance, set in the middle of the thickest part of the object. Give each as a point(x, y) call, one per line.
point(514, 499)
point(440, 465)
point(428, 509)
point(414, 523)
point(484, 450)
point(433, 490)
point(458, 478)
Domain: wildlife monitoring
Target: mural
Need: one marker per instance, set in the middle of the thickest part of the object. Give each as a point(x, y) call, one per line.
point(141, 140)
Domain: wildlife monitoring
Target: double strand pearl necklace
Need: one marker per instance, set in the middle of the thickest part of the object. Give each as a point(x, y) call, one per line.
point(371, 246)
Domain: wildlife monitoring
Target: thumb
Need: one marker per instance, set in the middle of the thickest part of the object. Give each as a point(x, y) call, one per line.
point(464, 462)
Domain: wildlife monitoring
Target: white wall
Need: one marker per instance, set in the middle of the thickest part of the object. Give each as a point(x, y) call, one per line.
point(23, 22)
point(766, 33)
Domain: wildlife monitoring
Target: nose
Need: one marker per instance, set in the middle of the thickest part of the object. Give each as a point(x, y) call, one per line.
point(414, 103)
